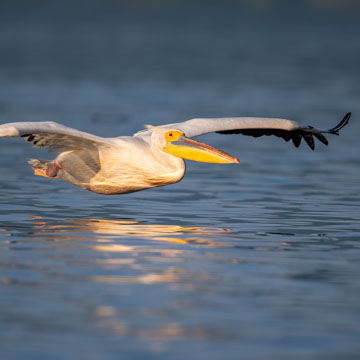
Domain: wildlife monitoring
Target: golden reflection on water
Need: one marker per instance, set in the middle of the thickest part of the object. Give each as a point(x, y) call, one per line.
point(138, 262)
point(108, 229)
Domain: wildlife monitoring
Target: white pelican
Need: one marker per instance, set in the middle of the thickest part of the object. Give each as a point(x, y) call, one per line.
point(152, 157)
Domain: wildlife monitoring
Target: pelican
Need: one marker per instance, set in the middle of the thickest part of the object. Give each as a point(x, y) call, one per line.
point(151, 157)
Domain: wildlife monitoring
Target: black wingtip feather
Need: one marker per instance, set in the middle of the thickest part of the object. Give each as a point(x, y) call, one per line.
point(296, 139)
point(335, 130)
point(321, 138)
point(309, 140)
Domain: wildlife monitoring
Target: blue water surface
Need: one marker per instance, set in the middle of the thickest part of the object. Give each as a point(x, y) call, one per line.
point(252, 261)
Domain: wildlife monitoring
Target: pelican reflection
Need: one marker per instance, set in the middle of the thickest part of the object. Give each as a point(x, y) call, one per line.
point(106, 230)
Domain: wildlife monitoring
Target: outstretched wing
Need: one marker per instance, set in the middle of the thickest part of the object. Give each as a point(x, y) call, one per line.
point(252, 126)
point(51, 135)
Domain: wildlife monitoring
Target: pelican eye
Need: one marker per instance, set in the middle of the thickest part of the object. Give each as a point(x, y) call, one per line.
point(172, 135)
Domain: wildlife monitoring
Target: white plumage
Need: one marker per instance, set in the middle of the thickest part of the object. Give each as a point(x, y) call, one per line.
point(152, 157)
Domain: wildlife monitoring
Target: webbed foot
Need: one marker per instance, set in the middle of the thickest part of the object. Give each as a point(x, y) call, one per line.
point(50, 170)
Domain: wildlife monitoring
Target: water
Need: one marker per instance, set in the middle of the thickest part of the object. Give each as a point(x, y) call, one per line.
point(257, 261)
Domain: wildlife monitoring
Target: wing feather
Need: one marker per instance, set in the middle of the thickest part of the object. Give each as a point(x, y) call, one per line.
point(296, 139)
point(256, 127)
point(51, 135)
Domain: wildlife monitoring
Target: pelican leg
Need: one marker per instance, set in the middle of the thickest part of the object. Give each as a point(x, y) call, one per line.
point(50, 170)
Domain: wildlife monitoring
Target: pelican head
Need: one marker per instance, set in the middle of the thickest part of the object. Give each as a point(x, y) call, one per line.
point(174, 142)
